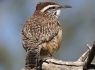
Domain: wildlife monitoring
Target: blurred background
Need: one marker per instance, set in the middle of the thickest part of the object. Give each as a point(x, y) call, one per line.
point(78, 25)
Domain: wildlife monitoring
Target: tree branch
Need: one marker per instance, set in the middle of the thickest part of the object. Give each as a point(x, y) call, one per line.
point(89, 58)
point(83, 63)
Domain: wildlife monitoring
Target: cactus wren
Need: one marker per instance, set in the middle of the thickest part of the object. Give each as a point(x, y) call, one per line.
point(43, 31)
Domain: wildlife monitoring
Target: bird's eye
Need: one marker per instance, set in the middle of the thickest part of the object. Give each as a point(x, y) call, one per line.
point(53, 7)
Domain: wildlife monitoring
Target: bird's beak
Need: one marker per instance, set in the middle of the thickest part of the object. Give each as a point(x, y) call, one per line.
point(66, 6)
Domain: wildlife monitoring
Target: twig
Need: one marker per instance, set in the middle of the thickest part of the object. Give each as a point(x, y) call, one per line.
point(90, 58)
point(85, 55)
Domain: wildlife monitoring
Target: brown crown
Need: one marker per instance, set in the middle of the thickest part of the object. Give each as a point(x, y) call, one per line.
point(41, 5)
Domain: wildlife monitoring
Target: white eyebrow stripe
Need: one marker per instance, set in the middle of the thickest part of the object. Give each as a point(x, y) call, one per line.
point(47, 7)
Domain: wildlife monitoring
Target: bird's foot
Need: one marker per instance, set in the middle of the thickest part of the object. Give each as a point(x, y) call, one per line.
point(45, 59)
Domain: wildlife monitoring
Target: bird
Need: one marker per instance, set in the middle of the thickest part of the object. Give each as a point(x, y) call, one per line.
point(42, 32)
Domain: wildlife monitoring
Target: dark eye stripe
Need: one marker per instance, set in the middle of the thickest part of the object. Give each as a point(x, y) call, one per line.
point(51, 8)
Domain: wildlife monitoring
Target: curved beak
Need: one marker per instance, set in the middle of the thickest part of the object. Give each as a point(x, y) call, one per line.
point(66, 6)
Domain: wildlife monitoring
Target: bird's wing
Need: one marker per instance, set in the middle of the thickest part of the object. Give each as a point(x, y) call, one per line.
point(38, 31)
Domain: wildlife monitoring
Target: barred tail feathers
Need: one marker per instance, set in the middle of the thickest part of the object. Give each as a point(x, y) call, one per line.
point(33, 57)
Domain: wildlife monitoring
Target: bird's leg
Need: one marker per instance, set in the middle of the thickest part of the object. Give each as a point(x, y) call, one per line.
point(49, 56)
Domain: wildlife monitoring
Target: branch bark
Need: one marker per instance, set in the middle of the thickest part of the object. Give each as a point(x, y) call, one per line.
point(89, 58)
point(83, 63)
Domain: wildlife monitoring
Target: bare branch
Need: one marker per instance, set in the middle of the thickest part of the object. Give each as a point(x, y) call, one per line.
point(89, 58)
point(83, 63)
point(85, 55)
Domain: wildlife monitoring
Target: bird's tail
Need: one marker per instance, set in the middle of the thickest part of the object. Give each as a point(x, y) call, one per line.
point(33, 57)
